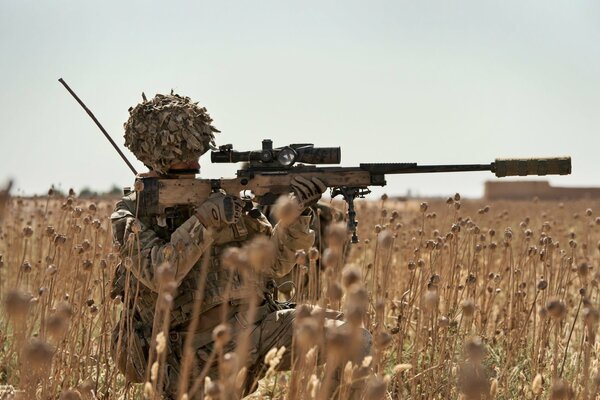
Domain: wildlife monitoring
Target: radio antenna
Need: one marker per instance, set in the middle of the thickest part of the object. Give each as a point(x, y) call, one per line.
point(87, 110)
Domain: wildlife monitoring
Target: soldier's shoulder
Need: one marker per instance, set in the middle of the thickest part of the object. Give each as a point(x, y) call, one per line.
point(124, 207)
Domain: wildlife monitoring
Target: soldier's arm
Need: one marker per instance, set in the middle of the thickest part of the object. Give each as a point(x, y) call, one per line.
point(288, 239)
point(147, 251)
point(289, 236)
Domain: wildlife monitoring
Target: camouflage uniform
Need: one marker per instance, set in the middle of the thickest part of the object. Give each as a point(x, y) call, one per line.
point(162, 132)
point(273, 327)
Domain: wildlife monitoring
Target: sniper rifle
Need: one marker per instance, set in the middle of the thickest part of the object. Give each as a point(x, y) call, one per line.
point(268, 173)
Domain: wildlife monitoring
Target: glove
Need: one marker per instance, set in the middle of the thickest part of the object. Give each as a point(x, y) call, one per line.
point(307, 192)
point(219, 210)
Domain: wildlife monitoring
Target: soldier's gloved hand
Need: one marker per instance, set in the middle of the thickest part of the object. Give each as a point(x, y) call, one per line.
point(219, 210)
point(307, 192)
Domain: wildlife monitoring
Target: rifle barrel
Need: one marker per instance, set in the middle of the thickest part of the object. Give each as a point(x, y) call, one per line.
point(501, 167)
point(413, 168)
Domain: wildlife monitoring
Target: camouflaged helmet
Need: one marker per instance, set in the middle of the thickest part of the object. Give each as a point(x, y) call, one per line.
point(168, 129)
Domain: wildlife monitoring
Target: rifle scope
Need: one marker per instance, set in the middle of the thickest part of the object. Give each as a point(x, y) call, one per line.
point(282, 156)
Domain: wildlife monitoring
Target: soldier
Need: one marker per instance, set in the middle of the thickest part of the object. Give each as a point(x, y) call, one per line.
point(168, 134)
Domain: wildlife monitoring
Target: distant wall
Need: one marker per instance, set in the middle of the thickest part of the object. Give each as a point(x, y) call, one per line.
point(526, 190)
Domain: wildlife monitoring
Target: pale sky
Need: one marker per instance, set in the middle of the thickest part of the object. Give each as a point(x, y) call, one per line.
point(388, 81)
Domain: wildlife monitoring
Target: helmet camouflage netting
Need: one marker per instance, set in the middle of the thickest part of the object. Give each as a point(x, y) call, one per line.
point(168, 129)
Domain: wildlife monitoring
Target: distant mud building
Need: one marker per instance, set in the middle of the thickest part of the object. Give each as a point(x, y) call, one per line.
point(527, 190)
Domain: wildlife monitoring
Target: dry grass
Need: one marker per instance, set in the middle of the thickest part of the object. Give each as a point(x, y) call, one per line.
point(463, 300)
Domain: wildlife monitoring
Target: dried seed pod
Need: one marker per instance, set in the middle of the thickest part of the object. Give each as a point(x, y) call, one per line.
point(386, 239)
point(301, 257)
point(128, 262)
point(335, 291)
point(49, 231)
point(16, 304)
point(64, 309)
point(376, 389)
point(338, 343)
point(70, 394)
point(561, 390)
point(430, 299)
point(85, 245)
point(475, 349)
point(336, 235)
point(330, 258)
point(556, 308)
point(138, 186)
point(471, 279)
point(583, 270)
point(87, 265)
point(260, 253)
point(468, 307)
point(591, 316)
point(165, 274)
point(26, 267)
point(135, 226)
point(357, 302)
point(221, 335)
point(56, 324)
point(443, 322)
point(306, 332)
point(230, 364)
point(542, 284)
point(472, 381)
point(38, 354)
point(60, 240)
point(27, 231)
